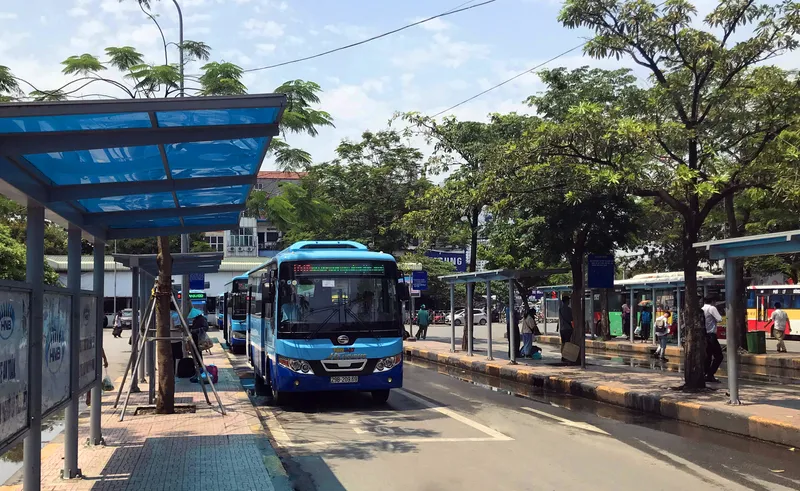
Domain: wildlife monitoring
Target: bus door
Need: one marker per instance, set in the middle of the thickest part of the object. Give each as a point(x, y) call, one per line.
point(268, 282)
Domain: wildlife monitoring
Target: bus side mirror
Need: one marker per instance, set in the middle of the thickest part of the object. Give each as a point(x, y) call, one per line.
point(402, 292)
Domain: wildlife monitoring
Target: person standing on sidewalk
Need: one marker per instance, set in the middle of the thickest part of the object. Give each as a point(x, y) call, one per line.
point(117, 332)
point(528, 328)
point(626, 319)
point(780, 320)
point(423, 320)
point(662, 332)
point(713, 349)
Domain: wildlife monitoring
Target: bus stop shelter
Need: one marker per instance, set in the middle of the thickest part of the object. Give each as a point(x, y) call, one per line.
point(740, 247)
point(487, 277)
point(144, 271)
point(105, 170)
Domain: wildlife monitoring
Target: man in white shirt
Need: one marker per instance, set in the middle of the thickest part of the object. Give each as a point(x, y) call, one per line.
point(780, 321)
point(713, 349)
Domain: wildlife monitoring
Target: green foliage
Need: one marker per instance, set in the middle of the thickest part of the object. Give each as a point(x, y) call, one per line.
point(85, 64)
point(8, 84)
point(13, 259)
point(299, 115)
point(124, 58)
point(222, 79)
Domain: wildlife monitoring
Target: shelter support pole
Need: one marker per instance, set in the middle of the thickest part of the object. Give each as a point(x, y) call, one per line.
point(653, 319)
point(452, 318)
point(512, 326)
point(34, 275)
point(633, 314)
point(411, 317)
point(544, 313)
point(678, 313)
point(468, 317)
point(71, 470)
point(186, 304)
point(489, 319)
point(731, 334)
point(134, 324)
point(142, 307)
point(591, 313)
point(98, 282)
point(150, 359)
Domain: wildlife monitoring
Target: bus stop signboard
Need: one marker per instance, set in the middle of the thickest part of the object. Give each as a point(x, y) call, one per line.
point(601, 271)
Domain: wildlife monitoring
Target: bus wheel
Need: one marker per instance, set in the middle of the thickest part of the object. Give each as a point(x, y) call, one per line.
point(380, 396)
point(278, 397)
point(260, 386)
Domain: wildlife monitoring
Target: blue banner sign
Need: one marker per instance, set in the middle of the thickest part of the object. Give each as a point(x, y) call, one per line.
point(459, 259)
point(419, 280)
point(601, 271)
point(197, 281)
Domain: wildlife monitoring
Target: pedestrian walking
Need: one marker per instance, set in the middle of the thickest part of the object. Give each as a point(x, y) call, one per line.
point(528, 329)
point(423, 320)
point(626, 319)
point(779, 322)
point(564, 326)
point(645, 319)
point(713, 349)
point(117, 332)
point(89, 392)
point(662, 333)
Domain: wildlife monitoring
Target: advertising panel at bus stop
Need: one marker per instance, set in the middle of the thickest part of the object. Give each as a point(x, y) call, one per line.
point(14, 316)
point(87, 366)
point(55, 356)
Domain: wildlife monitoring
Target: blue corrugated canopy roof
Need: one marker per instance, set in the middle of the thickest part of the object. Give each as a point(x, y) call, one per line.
point(753, 245)
point(500, 275)
point(138, 167)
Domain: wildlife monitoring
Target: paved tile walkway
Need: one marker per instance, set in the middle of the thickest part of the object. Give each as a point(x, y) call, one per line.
point(193, 451)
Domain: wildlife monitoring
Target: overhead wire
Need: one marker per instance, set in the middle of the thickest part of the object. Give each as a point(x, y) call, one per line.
point(460, 8)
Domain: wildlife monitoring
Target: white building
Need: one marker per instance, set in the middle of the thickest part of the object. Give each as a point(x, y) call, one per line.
point(255, 237)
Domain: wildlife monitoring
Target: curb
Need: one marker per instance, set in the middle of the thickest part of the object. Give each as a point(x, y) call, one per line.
point(785, 362)
point(769, 430)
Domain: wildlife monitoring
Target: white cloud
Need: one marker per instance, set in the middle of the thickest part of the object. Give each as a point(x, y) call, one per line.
point(197, 18)
point(265, 48)
point(258, 28)
point(434, 24)
point(237, 57)
point(197, 31)
point(443, 51)
point(77, 12)
point(349, 31)
point(296, 40)
point(7, 16)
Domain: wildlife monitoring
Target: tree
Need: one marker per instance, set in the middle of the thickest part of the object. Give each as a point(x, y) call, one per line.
point(165, 397)
point(13, 259)
point(9, 88)
point(711, 98)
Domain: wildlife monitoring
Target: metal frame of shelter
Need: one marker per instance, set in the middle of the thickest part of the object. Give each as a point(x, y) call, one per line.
point(105, 170)
point(487, 277)
point(729, 249)
point(144, 272)
point(651, 285)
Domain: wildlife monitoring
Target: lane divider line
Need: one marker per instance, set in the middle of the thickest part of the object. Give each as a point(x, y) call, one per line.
point(567, 422)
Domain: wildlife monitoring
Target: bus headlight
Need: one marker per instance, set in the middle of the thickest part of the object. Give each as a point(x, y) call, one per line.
point(299, 366)
point(388, 363)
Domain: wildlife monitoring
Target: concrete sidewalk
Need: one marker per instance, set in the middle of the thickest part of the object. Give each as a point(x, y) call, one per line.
point(768, 412)
point(190, 451)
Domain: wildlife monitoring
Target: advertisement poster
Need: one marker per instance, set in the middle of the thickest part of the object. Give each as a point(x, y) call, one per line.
point(87, 370)
point(55, 358)
point(14, 315)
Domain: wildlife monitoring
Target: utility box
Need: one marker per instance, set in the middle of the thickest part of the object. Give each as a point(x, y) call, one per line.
point(757, 342)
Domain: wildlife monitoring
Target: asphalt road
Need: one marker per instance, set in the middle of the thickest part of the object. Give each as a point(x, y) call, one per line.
point(441, 432)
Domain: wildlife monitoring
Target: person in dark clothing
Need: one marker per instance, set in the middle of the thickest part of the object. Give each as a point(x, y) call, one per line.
point(713, 349)
point(646, 319)
point(565, 322)
point(199, 326)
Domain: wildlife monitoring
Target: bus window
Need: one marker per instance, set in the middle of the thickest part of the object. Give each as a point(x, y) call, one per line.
point(751, 300)
point(795, 302)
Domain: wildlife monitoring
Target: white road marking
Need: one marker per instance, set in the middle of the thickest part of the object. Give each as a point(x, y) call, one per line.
point(391, 441)
point(454, 415)
point(360, 431)
point(275, 426)
point(567, 422)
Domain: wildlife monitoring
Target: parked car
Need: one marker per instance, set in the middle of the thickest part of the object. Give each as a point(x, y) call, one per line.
point(478, 317)
point(127, 318)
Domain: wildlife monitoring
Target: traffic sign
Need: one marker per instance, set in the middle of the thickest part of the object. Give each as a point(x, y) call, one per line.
point(419, 280)
point(197, 281)
point(601, 271)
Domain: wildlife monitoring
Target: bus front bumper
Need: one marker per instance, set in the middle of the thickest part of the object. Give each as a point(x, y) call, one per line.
point(238, 338)
point(292, 381)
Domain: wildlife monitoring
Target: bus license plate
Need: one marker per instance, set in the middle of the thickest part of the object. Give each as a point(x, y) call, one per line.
point(344, 380)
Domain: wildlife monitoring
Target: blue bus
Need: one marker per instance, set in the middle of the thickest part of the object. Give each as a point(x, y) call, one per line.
point(324, 316)
point(236, 328)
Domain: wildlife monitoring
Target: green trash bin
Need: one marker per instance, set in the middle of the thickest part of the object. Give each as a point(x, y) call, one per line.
point(757, 342)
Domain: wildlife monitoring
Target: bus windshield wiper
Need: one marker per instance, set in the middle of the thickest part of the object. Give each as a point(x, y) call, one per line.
point(347, 310)
point(333, 311)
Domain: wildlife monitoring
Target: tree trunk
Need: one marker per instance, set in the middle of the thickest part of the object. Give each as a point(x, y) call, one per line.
point(165, 397)
point(737, 317)
point(605, 325)
point(695, 354)
point(471, 267)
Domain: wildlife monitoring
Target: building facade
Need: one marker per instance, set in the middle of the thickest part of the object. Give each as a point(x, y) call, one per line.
point(255, 237)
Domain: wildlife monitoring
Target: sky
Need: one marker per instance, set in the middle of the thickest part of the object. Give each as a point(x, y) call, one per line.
point(427, 68)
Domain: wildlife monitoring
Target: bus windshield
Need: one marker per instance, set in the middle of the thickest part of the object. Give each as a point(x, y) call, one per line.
point(323, 297)
point(237, 301)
